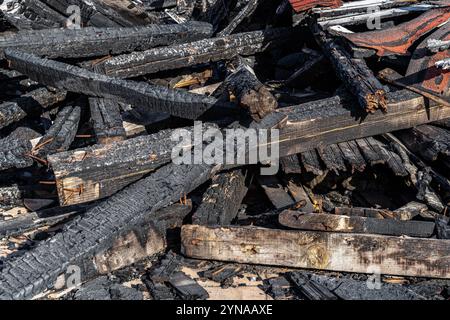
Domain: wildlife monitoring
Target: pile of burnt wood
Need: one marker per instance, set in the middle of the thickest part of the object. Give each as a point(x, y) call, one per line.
point(92, 93)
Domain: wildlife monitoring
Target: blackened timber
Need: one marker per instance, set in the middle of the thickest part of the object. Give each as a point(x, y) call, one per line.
point(275, 192)
point(335, 120)
point(291, 164)
point(354, 73)
point(61, 134)
point(94, 42)
point(352, 156)
point(28, 104)
point(10, 197)
point(222, 200)
point(99, 171)
point(310, 289)
point(311, 162)
point(189, 54)
point(14, 153)
point(88, 236)
point(108, 123)
point(140, 94)
point(250, 93)
point(245, 13)
point(332, 156)
point(355, 224)
point(319, 250)
point(187, 288)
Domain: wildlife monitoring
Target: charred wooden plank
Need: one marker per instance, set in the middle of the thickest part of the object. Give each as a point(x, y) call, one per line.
point(87, 239)
point(108, 123)
point(291, 164)
point(355, 224)
point(14, 153)
point(214, 12)
point(189, 54)
point(245, 13)
point(10, 197)
point(187, 288)
point(427, 141)
point(97, 172)
point(303, 5)
point(332, 156)
point(61, 134)
point(319, 250)
point(354, 73)
point(276, 193)
point(140, 94)
point(250, 93)
point(363, 212)
point(352, 156)
point(335, 120)
point(222, 200)
point(28, 104)
point(400, 38)
point(34, 220)
point(94, 42)
point(311, 162)
point(310, 289)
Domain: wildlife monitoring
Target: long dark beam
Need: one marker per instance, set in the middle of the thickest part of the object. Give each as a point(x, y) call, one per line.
point(94, 42)
point(139, 94)
point(189, 54)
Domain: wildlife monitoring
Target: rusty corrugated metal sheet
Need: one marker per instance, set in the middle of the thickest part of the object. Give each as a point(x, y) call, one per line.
point(303, 5)
point(397, 40)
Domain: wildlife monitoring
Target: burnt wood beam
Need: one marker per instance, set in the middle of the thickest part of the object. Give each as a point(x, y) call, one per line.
point(95, 42)
point(30, 103)
point(61, 134)
point(398, 39)
point(222, 200)
point(354, 73)
point(304, 5)
point(250, 93)
point(355, 224)
point(331, 251)
point(245, 13)
point(85, 242)
point(140, 94)
point(190, 54)
point(108, 123)
point(99, 171)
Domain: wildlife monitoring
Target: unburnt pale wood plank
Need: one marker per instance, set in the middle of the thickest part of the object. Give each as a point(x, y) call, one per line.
point(319, 250)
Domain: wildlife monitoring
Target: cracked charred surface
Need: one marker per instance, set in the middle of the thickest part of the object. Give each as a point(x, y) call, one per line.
point(108, 123)
point(94, 42)
point(142, 95)
point(400, 38)
point(90, 235)
point(318, 250)
point(61, 134)
point(30, 103)
point(189, 54)
point(14, 153)
point(221, 202)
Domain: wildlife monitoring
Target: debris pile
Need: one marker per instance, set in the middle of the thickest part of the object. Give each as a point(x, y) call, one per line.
point(99, 96)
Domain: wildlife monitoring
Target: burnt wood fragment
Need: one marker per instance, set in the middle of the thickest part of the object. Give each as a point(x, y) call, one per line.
point(14, 153)
point(30, 103)
point(397, 40)
point(10, 197)
point(61, 134)
point(355, 224)
point(245, 13)
point(222, 200)
point(309, 288)
point(190, 54)
point(303, 5)
point(140, 94)
point(108, 123)
point(94, 42)
point(250, 93)
point(352, 156)
point(187, 288)
point(311, 162)
point(333, 158)
point(354, 73)
point(291, 164)
point(276, 193)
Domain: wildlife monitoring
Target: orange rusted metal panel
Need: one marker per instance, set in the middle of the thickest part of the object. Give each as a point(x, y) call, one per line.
point(397, 40)
point(303, 5)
